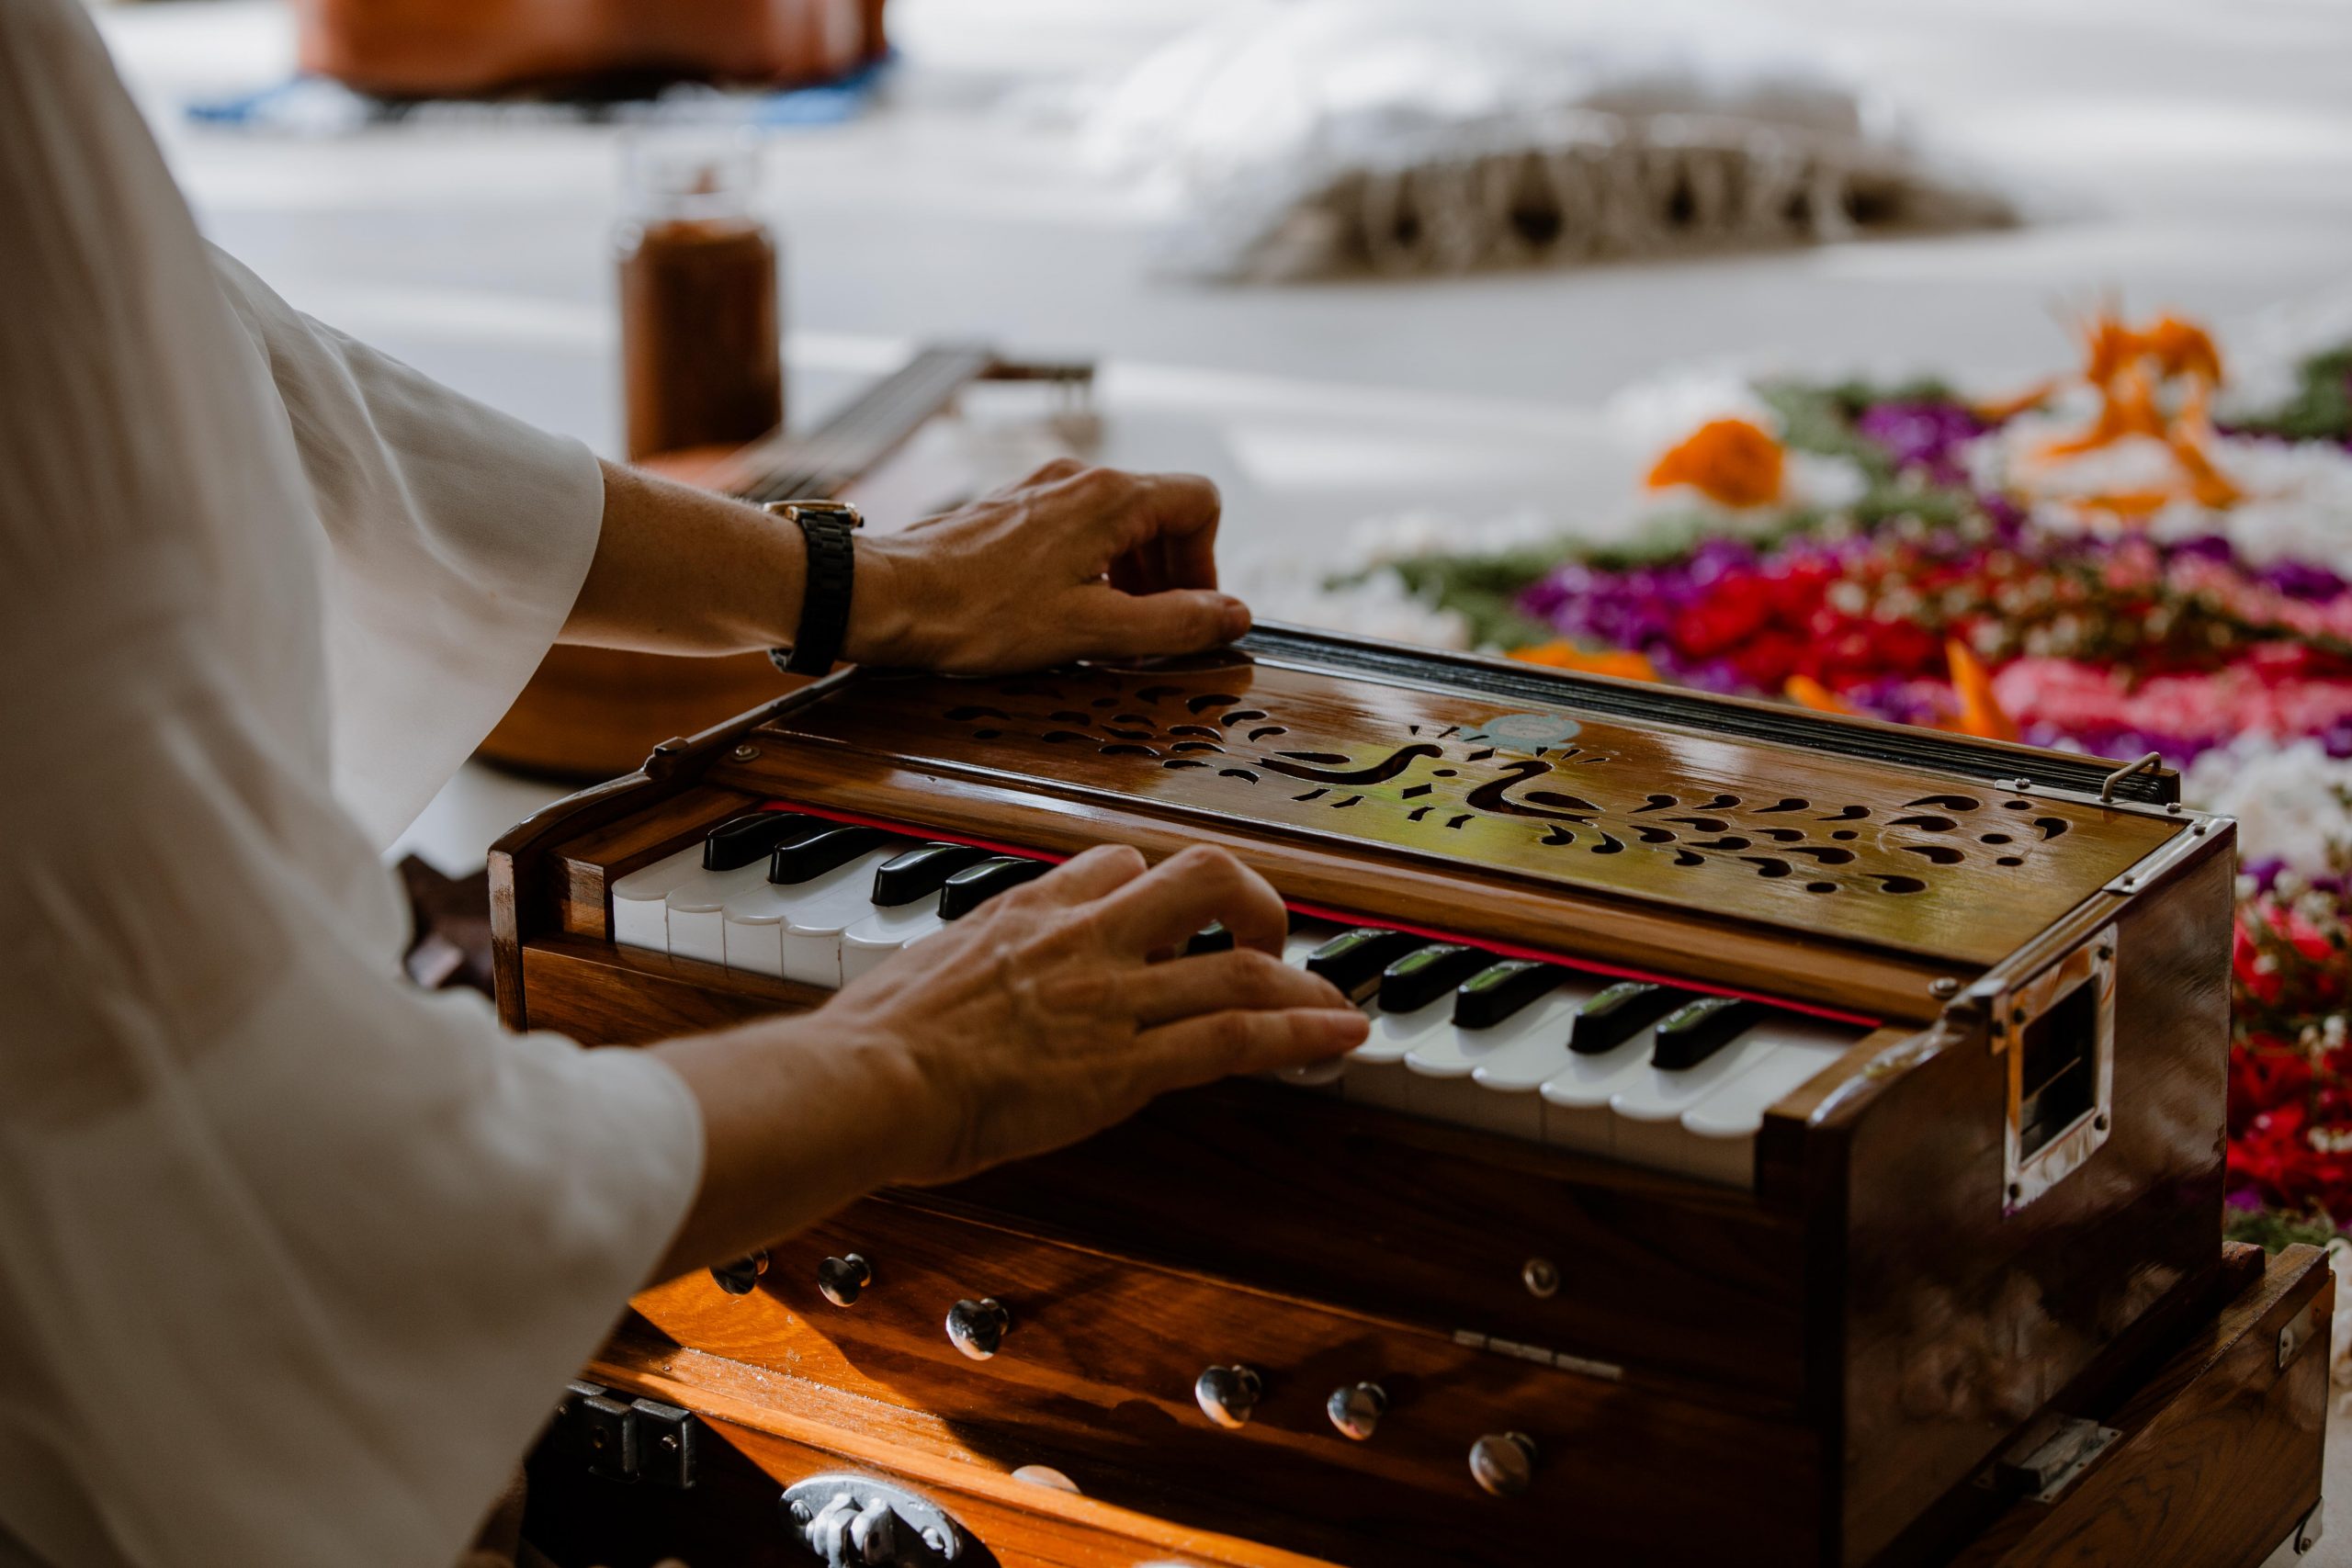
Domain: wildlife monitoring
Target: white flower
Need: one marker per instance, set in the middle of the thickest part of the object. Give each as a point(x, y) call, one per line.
point(2285, 797)
point(1650, 416)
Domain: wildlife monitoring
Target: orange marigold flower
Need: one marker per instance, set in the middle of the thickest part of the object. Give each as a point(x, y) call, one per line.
point(1981, 714)
point(2182, 348)
point(1808, 692)
point(1728, 460)
point(1622, 663)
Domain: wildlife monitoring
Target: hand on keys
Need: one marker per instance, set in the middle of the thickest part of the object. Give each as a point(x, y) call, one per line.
point(1061, 1007)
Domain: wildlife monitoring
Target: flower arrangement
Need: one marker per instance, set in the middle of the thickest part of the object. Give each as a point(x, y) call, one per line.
point(2118, 562)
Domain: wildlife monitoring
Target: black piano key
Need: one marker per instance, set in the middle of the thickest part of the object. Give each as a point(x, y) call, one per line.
point(806, 858)
point(921, 872)
point(1621, 1012)
point(1352, 960)
point(1698, 1030)
point(743, 840)
point(1210, 939)
point(1498, 991)
point(1415, 981)
point(976, 884)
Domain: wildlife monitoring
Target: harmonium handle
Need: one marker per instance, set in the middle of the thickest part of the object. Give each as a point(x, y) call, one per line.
point(855, 1519)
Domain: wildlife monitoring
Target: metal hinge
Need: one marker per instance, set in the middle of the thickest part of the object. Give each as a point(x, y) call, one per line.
point(635, 1440)
point(2299, 1330)
point(1471, 1339)
point(2047, 1461)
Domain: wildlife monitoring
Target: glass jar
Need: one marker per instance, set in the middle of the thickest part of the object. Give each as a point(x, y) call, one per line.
point(701, 356)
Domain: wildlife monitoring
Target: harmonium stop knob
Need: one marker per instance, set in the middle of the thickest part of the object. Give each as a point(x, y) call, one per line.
point(841, 1280)
point(743, 1276)
point(1355, 1409)
point(977, 1329)
point(1503, 1463)
point(1228, 1394)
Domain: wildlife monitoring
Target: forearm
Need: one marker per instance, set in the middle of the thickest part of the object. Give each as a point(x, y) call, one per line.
point(682, 570)
point(799, 1117)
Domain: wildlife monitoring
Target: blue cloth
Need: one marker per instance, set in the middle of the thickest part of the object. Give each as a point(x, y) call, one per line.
point(314, 106)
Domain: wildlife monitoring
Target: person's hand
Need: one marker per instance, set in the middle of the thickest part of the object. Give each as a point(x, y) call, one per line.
point(1072, 562)
point(1053, 1012)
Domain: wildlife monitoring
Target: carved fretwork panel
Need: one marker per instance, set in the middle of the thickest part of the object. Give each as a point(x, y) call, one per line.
point(1818, 844)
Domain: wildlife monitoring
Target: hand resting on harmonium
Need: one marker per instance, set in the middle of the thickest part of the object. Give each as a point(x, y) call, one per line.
point(1057, 1009)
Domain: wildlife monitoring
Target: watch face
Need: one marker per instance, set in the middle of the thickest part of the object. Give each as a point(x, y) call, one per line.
point(815, 509)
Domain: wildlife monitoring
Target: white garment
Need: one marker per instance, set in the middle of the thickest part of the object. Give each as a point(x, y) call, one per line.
point(294, 1259)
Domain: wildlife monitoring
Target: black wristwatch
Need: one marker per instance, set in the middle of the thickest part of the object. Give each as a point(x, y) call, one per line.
point(824, 586)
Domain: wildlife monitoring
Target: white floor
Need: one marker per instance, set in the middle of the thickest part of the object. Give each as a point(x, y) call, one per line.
point(2199, 156)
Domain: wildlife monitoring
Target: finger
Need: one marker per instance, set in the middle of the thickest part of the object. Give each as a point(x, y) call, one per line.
point(1052, 471)
point(1241, 978)
point(1219, 1045)
point(1085, 877)
point(1108, 622)
point(1188, 891)
point(1172, 539)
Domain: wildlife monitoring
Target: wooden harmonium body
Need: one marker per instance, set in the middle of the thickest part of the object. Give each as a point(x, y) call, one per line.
point(1776, 1130)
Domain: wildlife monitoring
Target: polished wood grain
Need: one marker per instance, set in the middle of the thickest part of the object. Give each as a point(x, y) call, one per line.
point(775, 1430)
point(619, 995)
point(1553, 797)
point(1957, 1321)
point(1683, 1285)
point(1589, 930)
point(1098, 1363)
point(2219, 1456)
point(2221, 1453)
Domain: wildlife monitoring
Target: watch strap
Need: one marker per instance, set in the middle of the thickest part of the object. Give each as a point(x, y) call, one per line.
point(827, 580)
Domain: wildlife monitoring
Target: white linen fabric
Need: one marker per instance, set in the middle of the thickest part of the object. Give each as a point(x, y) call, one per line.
point(294, 1259)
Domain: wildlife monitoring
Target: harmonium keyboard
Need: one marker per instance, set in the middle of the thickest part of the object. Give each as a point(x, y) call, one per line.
point(1781, 1139)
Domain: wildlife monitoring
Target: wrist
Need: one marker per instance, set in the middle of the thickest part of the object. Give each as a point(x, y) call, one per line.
point(885, 613)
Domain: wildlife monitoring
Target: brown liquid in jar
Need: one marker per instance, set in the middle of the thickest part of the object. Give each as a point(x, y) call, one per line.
point(700, 359)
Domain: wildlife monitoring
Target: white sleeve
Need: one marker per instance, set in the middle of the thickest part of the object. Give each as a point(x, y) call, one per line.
point(294, 1260)
point(458, 537)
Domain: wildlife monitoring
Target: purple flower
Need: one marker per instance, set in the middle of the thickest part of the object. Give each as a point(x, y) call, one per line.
point(2263, 872)
point(1922, 435)
point(2300, 579)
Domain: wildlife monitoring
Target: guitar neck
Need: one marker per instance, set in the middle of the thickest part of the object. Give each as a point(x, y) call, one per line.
point(856, 438)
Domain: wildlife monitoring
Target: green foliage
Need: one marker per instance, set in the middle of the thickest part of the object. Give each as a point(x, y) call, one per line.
point(2321, 407)
point(1483, 590)
point(2271, 1229)
point(1821, 419)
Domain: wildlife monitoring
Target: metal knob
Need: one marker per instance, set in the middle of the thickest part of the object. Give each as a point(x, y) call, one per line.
point(1357, 1408)
point(1228, 1394)
point(739, 1277)
point(977, 1329)
point(1503, 1463)
point(841, 1280)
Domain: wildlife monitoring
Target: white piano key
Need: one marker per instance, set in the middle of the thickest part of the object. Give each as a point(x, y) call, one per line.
point(1645, 1117)
point(1394, 1033)
point(1305, 936)
point(1724, 1126)
point(1375, 1072)
point(837, 900)
point(1444, 1071)
point(641, 899)
point(1575, 1098)
point(697, 925)
point(757, 919)
point(869, 942)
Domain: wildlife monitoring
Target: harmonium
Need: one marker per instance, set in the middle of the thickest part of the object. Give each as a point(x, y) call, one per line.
point(1782, 1138)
